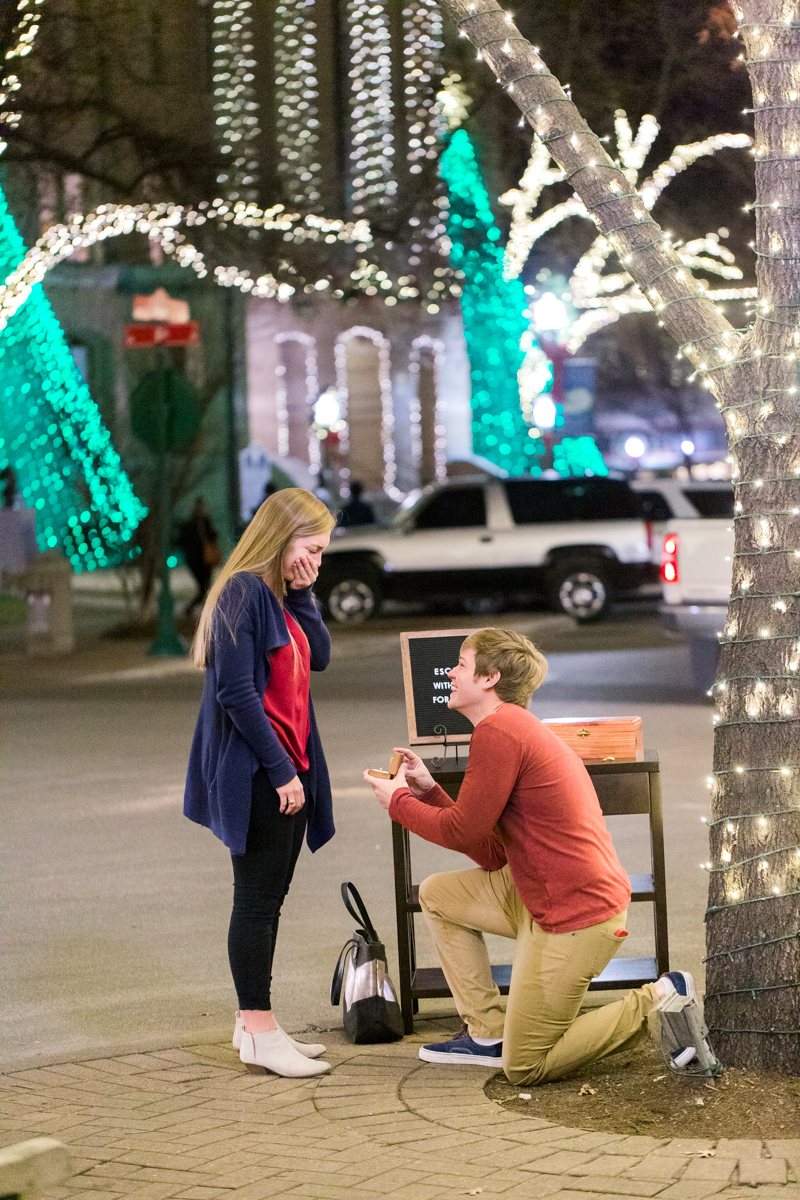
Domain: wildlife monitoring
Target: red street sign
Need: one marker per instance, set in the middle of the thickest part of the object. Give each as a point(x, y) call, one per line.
point(187, 333)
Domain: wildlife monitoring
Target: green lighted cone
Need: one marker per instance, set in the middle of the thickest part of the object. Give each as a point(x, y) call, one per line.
point(52, 434)
point(492, 309)
point(578, 456)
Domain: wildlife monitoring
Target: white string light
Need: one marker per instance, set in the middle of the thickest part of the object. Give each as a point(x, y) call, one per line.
point(437, 351)
point(533, 376)
point(297, 103)
point(522, 200)
point(24, 36)
point(452, 103)
point(612, 296)
point(311, 393)
point(774, 879)
point(235, 104)
point(422, 47)
point(238, 127)
point(683, 157)
point(387, 409)
point(161, 223)
point(372, 157)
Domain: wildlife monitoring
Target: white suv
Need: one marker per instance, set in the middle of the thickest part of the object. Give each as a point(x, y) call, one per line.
point(576, 543)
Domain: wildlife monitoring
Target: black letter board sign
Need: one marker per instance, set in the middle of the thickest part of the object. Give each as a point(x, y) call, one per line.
point(427, 657)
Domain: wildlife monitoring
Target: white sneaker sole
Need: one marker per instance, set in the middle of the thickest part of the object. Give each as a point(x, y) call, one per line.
point(683, 1059)
point(439, 1056)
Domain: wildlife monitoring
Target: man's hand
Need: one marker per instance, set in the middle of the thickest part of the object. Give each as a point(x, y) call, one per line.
point(292, 796)
point(302, 574)
point(384, 789)
point(418, 778)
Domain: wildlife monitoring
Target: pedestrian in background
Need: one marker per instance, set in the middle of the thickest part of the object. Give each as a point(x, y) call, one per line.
point(8, 482)
point(357, 511)
point(257, 775)
point(199, 541)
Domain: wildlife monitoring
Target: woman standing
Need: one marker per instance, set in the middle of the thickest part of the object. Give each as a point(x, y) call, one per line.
point(257, 775)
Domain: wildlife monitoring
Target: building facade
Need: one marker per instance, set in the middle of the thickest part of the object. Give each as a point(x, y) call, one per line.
point(329, 107)
point(401, 380)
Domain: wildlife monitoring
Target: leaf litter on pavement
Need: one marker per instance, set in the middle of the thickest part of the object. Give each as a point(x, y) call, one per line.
point(630, 1093)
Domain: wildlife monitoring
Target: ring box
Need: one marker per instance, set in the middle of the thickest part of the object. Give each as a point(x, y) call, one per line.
point(394, 766)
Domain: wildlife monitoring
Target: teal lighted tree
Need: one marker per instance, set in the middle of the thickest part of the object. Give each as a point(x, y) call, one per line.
point(493, 309)
point(499, 338)
point(51, 431)
point(52, 434)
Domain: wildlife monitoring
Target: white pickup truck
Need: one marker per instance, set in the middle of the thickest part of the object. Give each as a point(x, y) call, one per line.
point(696, 578)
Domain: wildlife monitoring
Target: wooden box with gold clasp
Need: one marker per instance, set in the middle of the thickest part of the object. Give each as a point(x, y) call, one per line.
point(601, 739)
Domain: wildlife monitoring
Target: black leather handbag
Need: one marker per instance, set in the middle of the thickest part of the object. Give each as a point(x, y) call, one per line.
point(370, 1010)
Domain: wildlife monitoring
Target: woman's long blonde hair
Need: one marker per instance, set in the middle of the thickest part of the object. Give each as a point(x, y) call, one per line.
point(285, 515)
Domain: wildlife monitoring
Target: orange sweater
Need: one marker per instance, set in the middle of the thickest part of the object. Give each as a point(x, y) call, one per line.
point(527, 800)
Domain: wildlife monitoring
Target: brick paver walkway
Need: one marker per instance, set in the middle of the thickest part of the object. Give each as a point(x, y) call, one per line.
point(192, 1124)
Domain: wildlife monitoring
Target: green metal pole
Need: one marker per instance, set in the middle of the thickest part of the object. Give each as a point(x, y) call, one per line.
point(167, 644)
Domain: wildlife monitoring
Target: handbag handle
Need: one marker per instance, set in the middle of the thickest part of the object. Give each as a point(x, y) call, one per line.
point(338, 972)
point(362, 916)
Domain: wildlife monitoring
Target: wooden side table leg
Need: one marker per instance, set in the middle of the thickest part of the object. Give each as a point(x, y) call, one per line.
point(659, 874)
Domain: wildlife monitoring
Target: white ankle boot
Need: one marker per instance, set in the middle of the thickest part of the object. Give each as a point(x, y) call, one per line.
point(262, 1052)
point(310, 1049)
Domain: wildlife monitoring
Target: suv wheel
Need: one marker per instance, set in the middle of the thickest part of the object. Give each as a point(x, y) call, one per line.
point(353, 598)
point(581, 591)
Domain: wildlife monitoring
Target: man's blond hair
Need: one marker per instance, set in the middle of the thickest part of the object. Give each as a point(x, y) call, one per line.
point(522, 668)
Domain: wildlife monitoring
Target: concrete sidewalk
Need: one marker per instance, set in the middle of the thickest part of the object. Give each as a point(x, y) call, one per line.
point(192, 1124)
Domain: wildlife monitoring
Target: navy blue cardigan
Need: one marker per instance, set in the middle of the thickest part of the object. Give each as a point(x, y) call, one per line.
point(234, 736)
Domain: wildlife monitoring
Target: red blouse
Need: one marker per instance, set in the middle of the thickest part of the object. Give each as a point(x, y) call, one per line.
point(286, 696)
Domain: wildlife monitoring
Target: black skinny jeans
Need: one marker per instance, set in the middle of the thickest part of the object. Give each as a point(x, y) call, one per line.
point(261, 878)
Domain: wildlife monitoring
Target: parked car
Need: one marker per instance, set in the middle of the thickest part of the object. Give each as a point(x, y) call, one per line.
point(696, 578)
point(575, 543)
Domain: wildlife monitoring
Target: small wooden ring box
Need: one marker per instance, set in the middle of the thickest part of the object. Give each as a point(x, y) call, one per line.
point(394, 766)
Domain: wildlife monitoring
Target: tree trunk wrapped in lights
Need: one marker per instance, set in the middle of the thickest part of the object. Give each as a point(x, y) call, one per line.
point(753, 930)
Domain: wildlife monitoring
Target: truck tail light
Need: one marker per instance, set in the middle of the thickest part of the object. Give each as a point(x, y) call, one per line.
point(669, 559)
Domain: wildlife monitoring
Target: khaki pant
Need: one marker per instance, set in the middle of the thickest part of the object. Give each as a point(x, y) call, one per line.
point(543, 1036)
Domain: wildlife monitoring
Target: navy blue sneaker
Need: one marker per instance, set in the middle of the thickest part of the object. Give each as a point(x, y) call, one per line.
point(682, 982)
point(462, 1049)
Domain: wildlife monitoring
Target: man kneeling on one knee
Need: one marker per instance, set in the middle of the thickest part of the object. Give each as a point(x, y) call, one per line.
point(547, 876)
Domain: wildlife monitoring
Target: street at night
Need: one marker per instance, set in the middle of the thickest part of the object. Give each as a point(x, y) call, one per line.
point(399, 660)
point(119, 905)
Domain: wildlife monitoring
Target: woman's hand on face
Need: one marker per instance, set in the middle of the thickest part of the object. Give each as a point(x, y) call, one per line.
point(418, 778)
point(302, 573)
point(292, 796)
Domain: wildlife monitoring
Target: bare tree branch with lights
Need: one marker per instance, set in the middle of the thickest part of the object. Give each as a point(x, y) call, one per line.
point(603, 298)
point(753, 939)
